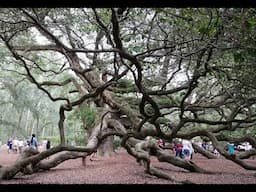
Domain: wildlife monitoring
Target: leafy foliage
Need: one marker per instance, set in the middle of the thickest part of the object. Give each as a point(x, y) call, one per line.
point(88, 114)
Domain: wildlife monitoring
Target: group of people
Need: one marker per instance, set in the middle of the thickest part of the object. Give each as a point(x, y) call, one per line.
point(32, 142)
point(184, 149)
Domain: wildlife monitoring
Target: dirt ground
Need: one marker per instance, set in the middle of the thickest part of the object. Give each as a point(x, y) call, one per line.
point(123, 169)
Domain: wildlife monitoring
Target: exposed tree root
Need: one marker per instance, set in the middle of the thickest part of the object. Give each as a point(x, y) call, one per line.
point(31, 160)
point(160, 174)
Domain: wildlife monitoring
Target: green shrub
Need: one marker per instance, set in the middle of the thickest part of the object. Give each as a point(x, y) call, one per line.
point(88, 114)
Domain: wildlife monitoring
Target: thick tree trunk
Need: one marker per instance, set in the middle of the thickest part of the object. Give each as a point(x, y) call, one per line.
point(107, 147)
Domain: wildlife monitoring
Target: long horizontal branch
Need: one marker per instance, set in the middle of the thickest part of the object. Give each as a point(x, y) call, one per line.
point(171, 91)
point(204, 121)
point(54, 83)
point(27, 48)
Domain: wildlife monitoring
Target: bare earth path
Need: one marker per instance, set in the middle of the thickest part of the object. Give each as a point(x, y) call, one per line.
point(123, 169)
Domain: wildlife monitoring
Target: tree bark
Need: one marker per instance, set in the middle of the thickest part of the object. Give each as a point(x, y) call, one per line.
point(202, 151)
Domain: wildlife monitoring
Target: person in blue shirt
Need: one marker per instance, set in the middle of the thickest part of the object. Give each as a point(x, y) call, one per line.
point(231, 148)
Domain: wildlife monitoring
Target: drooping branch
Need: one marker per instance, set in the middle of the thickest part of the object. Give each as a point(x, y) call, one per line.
point(30, 76)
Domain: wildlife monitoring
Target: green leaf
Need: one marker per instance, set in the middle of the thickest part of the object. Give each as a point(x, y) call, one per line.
point(252, 21)
point(252, 52)
point(202, 29)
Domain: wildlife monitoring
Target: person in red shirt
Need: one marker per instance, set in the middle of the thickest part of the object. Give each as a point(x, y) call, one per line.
point(178, 149)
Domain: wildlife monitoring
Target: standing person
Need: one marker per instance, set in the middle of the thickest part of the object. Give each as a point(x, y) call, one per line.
point(178, 149)
point(48, 145)
point(33, 142)
point(187, 149)
point(216, 152)
point(204, 145)
point(231, 148)
point(9, 144)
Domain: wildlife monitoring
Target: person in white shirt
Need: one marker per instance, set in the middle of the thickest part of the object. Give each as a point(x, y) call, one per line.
point(187, 149)
point(33, 142)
